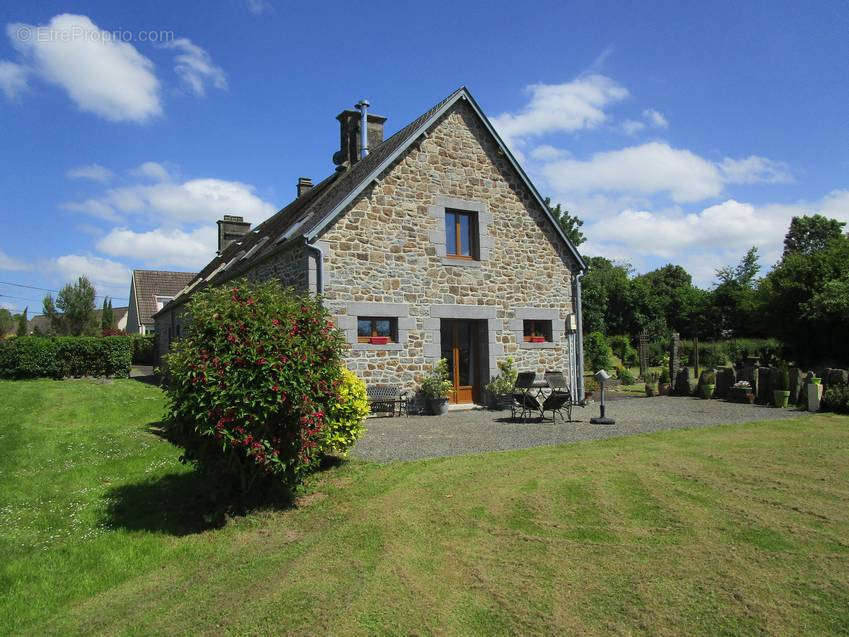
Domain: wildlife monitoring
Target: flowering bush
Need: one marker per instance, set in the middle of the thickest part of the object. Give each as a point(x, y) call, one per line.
point(743, 385)
point(254, 386)
point(345, 417)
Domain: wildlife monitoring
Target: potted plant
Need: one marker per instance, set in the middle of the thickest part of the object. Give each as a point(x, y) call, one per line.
point(781, 394)
point(500, 388)
point(436, 387)
point(652, 388)
point(663, 385)
point(708, 384)
point(741, 392)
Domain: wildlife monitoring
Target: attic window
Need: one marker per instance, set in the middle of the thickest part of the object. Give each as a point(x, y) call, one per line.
point(161, 301)
point(461, 234)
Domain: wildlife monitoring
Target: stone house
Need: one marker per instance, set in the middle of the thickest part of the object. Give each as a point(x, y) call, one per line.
point(150, 290)
point(431, 243)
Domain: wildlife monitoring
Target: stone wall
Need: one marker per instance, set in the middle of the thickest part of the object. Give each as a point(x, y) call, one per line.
point(389, 249)
point(290, 267)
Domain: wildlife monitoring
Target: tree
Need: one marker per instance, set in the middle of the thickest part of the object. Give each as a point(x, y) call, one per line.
point(605, 299)
point(73, 312)
point(107, 317)
point(7, 323)
point(810, 234)
point(734, 297)
point(569, 223)
point(22, 322)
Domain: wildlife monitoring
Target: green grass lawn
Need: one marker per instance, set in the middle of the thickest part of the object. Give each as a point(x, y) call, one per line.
point(733, 530)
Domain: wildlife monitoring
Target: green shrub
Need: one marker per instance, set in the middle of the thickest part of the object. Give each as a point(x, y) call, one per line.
point(143, 345)
point(664, 374)
point(597, 353)
point(503, 384)
point(626, 377)
point(436, 384)
point(658, 351)
point(621, 346)
point(253, 383)
point(346, 415)
point(768, 350)
point(711, 353)
point(836, 399)
point(708, 378)
point(64, 356)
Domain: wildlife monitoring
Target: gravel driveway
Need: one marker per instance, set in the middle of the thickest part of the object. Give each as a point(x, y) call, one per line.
point(463, 432)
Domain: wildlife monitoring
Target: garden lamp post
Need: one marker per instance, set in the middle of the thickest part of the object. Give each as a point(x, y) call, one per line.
point(602, 376)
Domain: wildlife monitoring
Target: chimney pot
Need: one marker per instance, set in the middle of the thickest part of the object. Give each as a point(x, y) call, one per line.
point(231, 228)
point(304, 185)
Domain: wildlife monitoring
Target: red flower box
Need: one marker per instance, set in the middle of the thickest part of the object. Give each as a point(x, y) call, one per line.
point(537, 339)
point(379, 340)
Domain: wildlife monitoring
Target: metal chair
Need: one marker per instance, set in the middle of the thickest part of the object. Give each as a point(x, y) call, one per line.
point(384, 398)
point(560, 399)
point(524, 401)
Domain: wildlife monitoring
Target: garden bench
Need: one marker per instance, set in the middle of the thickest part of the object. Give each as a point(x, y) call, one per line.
point(384, 398)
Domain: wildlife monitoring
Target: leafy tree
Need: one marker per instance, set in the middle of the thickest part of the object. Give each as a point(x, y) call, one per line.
point(73, 312)
point(22, 322)
point(605, 300)
point(734, 297)
point(7, 323)
point(569, 223)
point(107, 317)
point(809, 234)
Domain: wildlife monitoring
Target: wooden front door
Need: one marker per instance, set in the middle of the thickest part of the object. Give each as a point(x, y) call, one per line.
point(460, 349)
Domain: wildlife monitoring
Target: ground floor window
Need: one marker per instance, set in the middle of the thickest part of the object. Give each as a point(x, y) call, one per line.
point(377, 329)
point(536, 331)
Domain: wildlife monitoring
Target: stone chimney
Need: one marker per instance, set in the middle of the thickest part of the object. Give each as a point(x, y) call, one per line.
point(304, 185)
point(349, 129)
point(230, 229)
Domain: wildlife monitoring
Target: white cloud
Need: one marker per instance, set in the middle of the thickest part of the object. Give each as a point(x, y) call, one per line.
point(754, 169)
point(161, 247)
point(546, 152)
point(650, 168)
point(258, 7)
point(564, 107)
point(95, 172)
point(13, 79)
point(8, 263)
point(195, 67)
point(101, 75)
point(655, 118)
point(632, 126)
point(188, 202)
point(108, 277)
point(152, 170)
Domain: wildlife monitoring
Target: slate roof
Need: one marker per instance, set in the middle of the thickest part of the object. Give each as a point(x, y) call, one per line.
point(148, 284)
point(307, 215)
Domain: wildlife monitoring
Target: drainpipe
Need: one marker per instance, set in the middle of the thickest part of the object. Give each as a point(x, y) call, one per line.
point(319, 266)
point(362, 106)
point(580, 337)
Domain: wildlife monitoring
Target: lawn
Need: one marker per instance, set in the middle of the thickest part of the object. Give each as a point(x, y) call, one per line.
point(732, 529)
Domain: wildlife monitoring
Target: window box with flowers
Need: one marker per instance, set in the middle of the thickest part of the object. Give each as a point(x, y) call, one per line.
point(741, 392)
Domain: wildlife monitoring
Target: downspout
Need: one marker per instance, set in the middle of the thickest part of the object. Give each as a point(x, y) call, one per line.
point(319, 266)
point(580, 337)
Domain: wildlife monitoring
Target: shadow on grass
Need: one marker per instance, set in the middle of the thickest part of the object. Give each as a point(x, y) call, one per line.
point(182, 503)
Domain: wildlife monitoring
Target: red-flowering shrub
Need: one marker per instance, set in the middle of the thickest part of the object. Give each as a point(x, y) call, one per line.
point(250, 384)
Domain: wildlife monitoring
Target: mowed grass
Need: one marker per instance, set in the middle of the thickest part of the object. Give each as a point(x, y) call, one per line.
point(726, 530)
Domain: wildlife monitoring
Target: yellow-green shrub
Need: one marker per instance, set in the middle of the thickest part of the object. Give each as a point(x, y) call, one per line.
point(345, 417)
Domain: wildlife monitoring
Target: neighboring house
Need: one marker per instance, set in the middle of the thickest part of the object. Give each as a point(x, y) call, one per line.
point(150, 290)
point(434, 241)
point(42, 323)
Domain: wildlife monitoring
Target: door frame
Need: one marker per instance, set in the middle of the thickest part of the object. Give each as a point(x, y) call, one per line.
point(464, 394)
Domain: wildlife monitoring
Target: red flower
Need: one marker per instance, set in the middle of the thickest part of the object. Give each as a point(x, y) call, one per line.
point(261, 361)
point(275, 322)
point(275, 388)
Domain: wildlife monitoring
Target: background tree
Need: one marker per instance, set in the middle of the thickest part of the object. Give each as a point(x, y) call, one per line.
point(569, 223)
point(22, 322)
point(73, 312)
point(605, 300)
point(107, 317)
point(809, 234)
point(7, 323)
point(735, 298)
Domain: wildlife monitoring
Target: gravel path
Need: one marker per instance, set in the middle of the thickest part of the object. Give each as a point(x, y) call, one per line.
point(464, 432)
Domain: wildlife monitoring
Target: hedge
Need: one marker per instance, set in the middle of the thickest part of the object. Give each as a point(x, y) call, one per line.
point(143, 348)
point(64, 356)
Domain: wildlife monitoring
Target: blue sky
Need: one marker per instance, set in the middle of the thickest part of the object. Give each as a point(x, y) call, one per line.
point(682, 132)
